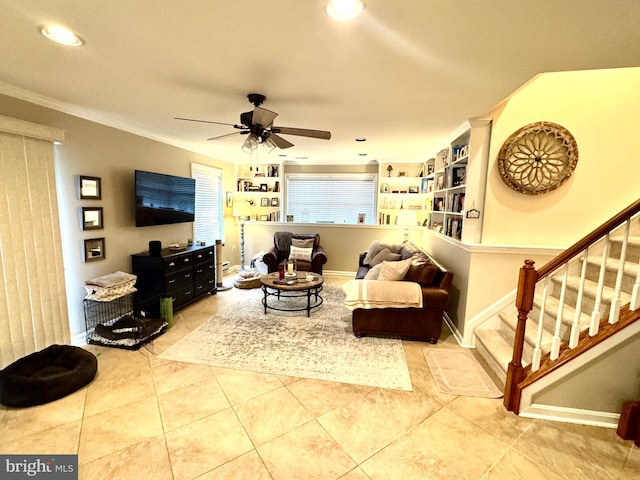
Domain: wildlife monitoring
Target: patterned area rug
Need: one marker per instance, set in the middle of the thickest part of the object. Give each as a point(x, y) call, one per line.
point(457, 372)
point(321, 347)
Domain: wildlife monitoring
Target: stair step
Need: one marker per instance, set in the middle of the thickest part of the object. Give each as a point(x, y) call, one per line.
point(496, 352)
point(509, 323)
point(633, 247)
point(611, 272)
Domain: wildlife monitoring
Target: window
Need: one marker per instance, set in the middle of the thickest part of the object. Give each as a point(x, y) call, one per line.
point(208, 225)
point(339, 198)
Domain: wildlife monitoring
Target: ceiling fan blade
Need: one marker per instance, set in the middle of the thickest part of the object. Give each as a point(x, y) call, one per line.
point(263, 117)
point(302, 132)
point(234, 125)
point(279, 141)
point(227, 135)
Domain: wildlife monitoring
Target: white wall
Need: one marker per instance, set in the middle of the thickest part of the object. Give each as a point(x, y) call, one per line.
point(600, 109)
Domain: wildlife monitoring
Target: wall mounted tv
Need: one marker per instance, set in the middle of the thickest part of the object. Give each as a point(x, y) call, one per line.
point(163, 199)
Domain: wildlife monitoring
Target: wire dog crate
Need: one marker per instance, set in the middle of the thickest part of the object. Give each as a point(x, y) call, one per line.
point(106, 313)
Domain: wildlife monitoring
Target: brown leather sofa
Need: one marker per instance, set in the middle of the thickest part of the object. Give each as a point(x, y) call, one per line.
point(416, 323)
point(282, 246)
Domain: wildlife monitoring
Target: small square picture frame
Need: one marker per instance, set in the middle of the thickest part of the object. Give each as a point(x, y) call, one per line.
point(264, 202)
point(94, 249)
point(90, 188)
point(275, 202)
point(92, 218)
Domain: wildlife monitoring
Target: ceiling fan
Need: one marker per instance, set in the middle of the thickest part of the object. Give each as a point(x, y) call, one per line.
point(258, 124)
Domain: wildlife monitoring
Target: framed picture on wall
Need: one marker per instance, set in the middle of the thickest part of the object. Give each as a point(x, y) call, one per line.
point(90, 187)
point(94, 249)
point(92, 218)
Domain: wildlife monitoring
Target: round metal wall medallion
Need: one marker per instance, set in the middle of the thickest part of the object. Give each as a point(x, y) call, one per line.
point(538, 158)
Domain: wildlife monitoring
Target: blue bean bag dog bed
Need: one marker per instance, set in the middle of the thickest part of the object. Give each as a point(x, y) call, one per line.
point(47, 375)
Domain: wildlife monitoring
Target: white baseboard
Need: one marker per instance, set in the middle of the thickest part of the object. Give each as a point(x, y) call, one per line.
point(572, 415)
point(454, 331)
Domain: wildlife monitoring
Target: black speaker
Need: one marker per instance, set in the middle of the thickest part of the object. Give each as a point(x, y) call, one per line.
point(155, 248)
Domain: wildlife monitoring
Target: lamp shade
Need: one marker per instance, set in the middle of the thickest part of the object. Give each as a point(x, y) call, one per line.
point(407, 218)
point(241, 209)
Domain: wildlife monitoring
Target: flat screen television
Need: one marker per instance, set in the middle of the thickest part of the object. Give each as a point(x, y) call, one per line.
point(163, 199)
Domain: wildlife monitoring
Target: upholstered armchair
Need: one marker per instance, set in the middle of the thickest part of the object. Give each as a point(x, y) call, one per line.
point(309, 255)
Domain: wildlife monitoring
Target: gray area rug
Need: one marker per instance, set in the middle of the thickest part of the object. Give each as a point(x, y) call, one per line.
point(321, 347)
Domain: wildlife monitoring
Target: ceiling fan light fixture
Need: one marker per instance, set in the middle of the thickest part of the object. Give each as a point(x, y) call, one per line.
point(250, 144)
point(269, 144)
point(344, 9)
point(61, 36)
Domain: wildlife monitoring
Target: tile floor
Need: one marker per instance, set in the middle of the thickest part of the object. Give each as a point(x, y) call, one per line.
point(144, 418)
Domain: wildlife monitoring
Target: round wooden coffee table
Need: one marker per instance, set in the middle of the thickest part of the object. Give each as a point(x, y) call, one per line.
point(292, 288)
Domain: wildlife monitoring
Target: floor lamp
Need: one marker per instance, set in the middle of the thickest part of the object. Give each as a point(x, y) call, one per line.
point(406, 219)
point(241, 210)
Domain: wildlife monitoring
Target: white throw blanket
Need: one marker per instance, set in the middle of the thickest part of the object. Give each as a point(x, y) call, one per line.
point(382, 294)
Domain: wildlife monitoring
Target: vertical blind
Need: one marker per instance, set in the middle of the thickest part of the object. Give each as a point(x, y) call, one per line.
point(208, 225)
point(33, 307)
point(331, 198)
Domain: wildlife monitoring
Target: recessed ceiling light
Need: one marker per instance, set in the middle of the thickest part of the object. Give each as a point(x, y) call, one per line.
point(361, 139)
point(344, 9)
point(363, 154)
point(61, 35)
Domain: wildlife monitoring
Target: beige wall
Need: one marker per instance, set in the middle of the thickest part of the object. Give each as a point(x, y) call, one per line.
point(600, 110)
point(113, 155)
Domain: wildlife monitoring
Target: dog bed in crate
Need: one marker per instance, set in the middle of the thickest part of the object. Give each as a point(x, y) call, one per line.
point(47, 375)
point(127, 332)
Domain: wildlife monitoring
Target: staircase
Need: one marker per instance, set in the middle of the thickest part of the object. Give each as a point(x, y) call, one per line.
point(496, 345)
point(584, 286)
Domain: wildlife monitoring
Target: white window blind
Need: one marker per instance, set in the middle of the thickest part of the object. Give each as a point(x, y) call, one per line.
point(208, 225)
point(339, 198)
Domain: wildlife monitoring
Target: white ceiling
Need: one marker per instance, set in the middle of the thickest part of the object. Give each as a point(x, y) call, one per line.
point(405, 74)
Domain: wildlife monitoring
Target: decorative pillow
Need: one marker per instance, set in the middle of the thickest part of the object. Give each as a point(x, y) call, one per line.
point(394, 270)
point(298, 253)
point(423, 273)
point(306, 243)
point(382, 255)
point(375, 247)
point(373, 273)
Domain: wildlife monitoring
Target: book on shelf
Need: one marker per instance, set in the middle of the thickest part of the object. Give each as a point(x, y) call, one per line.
point(458, 176)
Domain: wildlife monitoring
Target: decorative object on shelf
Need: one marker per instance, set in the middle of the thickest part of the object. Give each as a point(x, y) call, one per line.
point(264, 218)
point(389, 170)
point(538, 158)
point(90, 188)
point(94, 249)
point(92, 218)
point(264, 202)
point(275, 202)
point(242, 210)
point(385, 188)
point(229, 199)
point(362, 218)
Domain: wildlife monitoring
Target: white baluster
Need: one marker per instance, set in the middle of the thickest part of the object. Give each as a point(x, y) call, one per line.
point(635, 292)
point(555, 344)
point(537, 351)
point(614, 311)
point(595, 315)
point(575, 327)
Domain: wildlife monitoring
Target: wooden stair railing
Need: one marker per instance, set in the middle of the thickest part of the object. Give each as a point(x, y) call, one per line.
point(517, 375)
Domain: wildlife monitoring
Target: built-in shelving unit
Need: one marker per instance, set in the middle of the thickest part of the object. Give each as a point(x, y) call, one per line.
point(460, 181)
point(403, 192)
point(261, 185)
